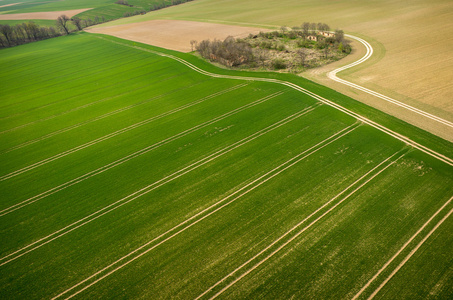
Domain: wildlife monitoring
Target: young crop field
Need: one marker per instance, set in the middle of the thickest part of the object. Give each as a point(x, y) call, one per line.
point(130, 171)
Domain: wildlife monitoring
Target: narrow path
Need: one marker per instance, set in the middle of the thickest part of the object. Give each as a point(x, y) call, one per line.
point(369, 52)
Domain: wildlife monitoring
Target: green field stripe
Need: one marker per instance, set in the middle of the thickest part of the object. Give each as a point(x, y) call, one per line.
point(375, 276)
point(122, 160)
point(133, 126)
point(130, 91)
point(81, 147)
point(74, 109)
point(131, 86)
point(89, 121)
point(44, 82)
point(232, 278)
point(168, 178)
point(428, 272)
point(73, 87)
point(98, 276)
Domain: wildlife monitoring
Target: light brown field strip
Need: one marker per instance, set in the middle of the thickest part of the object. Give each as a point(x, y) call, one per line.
point(175, 34)
point(50, 15)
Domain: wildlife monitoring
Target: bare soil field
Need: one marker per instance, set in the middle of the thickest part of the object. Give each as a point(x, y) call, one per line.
point(174, 34)
point(50, 15)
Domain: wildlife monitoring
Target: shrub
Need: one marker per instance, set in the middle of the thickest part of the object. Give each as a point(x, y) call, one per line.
point(278, 64)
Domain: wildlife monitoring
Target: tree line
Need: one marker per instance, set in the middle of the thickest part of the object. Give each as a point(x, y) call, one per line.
point(14, 35)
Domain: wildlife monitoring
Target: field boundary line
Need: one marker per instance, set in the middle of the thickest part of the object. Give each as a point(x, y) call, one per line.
point(113, 134)
point(131, 156)
point(265, 177)
point(369, 52)
point(145, 190)
point(78, 107)
point(109, 114)
point(357, 116)
point(404, 151)
point(402, 249)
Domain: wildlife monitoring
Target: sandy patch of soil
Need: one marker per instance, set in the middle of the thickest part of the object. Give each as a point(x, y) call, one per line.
point(10, 4)
point(175, 34)
point(50, 15)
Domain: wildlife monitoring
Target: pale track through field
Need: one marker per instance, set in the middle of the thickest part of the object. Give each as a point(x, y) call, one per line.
point(369, 52)
point(402, 249)
point(111, 207)
point(76, 108)
point(78, 125)
point(247, 188)
point(357, 116)
point(130, 156)
point(400, 154)
point(110, 135)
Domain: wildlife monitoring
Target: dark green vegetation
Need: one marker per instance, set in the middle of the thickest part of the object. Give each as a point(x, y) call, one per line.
point(117, 160)
point(292, 50)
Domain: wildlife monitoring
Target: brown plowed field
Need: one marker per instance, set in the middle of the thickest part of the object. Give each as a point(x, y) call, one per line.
point(174, 34)
point(49, 15)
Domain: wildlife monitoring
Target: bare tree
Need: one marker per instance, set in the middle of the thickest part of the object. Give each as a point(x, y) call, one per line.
point(306, 27)
point(193, 44)
point(77, 22)
point(62, 23)
point(302, 54)
point(313, 26)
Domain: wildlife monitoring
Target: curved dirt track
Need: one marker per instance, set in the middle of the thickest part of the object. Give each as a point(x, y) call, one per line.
point(333, 75)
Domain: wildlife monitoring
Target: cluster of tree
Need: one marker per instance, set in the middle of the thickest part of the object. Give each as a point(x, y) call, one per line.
point(24, 33)
point(294, 49)
point(321, 39)
point(123, 2)
point(229, 52)
point(163, 4)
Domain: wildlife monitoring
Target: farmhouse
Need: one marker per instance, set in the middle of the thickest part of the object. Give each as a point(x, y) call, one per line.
point(312, 38)
point(327, 34)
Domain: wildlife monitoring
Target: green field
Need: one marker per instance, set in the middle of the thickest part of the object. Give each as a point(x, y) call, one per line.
point(127, 174)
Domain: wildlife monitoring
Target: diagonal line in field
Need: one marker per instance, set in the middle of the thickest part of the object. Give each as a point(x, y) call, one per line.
point(52, 134)
point(107, 209)
point(357, 116)
point(245, 190)
point(402, 249)
point(303, 229)
point(108, 136)
point(129, 157)
point(82, 106)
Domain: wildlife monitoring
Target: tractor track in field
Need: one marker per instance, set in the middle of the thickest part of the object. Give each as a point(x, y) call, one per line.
point(143, 191)
point(123, 159)
point(355, 185)
point(369, 52)
point(355, 115)
point(245, 189)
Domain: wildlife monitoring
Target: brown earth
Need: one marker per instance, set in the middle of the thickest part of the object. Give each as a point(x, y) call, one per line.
point(49, 15)
point(174, 34)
